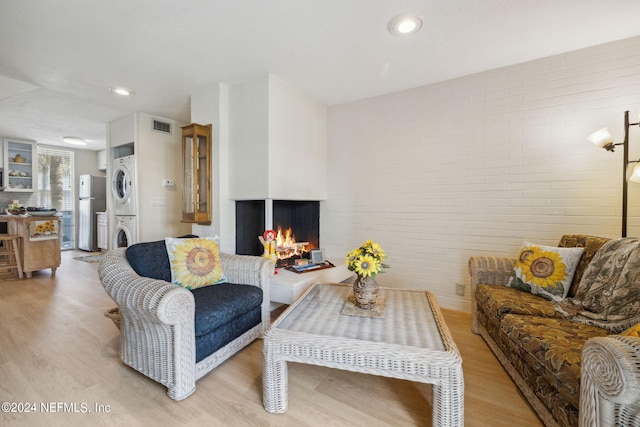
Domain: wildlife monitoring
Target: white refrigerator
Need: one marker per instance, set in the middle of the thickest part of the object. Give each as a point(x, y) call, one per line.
point(92, 191)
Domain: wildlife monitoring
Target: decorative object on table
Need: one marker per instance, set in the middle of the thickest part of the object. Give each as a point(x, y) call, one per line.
point(32, 211)
point(308, 267)
point(366, 262)
point(268, 240)
point(15, 208)
point(317, 256)
point(377, 311)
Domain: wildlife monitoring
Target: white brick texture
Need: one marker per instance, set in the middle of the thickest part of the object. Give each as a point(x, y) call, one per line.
point(478, 164)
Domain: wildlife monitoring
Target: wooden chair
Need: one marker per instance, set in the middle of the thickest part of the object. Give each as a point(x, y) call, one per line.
point(10, 254)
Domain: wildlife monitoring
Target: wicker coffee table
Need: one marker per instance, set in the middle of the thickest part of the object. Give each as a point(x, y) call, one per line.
point(411, 342)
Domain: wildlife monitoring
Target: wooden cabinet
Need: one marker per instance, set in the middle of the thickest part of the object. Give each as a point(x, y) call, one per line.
point(102, 230)
point(39, 241)
point(196, 169)
point(20, 165)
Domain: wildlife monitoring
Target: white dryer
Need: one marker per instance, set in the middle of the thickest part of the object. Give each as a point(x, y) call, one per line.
point(123, 186)
point(125, 232)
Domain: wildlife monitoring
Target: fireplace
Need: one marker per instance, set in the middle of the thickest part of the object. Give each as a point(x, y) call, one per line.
point(301, 219)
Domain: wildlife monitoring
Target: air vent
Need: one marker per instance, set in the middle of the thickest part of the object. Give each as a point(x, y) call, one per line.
point(162, 126)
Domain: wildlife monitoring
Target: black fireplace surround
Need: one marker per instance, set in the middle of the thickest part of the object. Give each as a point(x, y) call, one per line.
point(303, 217)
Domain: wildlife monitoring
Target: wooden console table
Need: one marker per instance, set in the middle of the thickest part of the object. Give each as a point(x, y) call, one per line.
point(39, 241)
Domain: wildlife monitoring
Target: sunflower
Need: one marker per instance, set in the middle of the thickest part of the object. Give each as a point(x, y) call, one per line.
point(542, 268)
point(376, 251)
point(367, 260)
point(352, 257)
point(367, 266)
point(197, 263)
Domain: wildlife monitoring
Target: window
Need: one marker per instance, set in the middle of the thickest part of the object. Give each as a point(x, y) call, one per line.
point(55, 188)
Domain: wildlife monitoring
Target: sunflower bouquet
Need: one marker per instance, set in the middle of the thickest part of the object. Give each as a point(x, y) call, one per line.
point(367, 260)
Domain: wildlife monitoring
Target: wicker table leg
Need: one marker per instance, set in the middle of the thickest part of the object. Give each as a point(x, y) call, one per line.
point(274, 382)
point(448, 400)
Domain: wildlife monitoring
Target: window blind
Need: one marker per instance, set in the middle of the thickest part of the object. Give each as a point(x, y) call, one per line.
point(55, 188)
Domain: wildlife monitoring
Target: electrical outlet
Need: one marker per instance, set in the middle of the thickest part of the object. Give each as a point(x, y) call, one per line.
point(460, 289)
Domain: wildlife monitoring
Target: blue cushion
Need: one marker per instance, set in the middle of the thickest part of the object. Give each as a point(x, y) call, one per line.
point(221, 304)
point(213, 341)
point(223, 312)
point(150, 259)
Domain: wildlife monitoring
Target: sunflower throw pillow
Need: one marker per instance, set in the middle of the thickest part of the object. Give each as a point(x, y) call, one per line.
point(194, 262)
point(545, 271)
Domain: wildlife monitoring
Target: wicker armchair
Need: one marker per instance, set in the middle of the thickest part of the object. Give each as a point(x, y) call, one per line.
point(610, 382)
point(157, 320)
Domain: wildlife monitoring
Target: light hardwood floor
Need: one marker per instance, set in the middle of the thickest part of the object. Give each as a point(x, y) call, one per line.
point(58, 352)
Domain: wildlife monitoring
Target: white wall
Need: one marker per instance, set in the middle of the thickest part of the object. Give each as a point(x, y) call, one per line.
point(297, 144)
point(249, 139)
point(478, 164)
point(158, 157)
point(278, 142)
point(210, 105)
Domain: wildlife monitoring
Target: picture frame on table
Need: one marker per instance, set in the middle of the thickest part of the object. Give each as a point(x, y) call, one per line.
point(317, 256)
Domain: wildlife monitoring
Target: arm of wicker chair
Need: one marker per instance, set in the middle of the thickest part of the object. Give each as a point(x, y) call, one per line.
point(487, 270)
point(251, 270)
point(157, 324)
point(610, 381)
point(155, 300)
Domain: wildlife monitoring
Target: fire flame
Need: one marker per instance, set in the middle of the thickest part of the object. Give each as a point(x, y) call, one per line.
point(286, 245)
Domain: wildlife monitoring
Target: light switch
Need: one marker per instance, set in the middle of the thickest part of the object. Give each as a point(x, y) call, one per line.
point(158, 201)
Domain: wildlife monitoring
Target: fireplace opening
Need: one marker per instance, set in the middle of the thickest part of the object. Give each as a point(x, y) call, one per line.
point(298, 223)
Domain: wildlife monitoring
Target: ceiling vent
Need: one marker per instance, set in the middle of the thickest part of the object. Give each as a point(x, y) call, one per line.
point(162, 126)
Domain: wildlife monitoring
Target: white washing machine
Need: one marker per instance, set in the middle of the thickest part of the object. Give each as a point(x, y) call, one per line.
point(125, 232)
point(123, 186)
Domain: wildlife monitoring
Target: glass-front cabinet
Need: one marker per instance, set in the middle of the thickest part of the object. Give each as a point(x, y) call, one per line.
point(20, 165)
point(196, 167)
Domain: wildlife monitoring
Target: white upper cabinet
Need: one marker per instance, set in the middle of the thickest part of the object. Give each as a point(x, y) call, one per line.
point(102, 160)
point(20, 165)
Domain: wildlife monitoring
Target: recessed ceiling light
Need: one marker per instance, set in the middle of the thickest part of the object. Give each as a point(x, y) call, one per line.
point(121, 91)
point(405, 24)
point(74, 140)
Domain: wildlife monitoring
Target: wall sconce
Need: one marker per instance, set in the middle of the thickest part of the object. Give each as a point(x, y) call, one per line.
point(602, 138)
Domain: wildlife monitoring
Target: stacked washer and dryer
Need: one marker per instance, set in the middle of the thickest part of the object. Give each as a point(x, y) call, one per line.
point(123, 189)
point(144, 165)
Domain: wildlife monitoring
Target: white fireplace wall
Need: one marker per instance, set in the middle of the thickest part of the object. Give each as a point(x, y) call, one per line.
point(269, 142)
point(278, 142)
point(297, 144)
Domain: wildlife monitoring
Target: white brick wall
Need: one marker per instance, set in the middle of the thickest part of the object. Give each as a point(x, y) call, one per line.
point(478, 164)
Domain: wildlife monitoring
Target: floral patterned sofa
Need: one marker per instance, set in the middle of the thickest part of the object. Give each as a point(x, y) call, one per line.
point(549, 347)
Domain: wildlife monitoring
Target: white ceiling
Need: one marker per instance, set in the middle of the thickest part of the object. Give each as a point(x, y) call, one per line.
point(58, 58)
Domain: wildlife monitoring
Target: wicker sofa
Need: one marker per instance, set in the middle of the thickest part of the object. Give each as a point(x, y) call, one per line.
point(174, 335)
point(572, 372)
